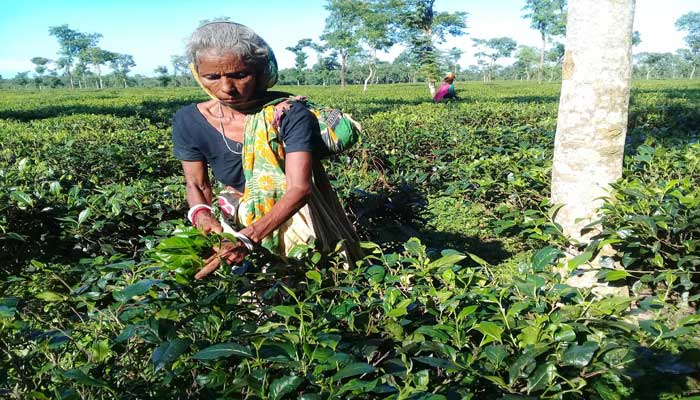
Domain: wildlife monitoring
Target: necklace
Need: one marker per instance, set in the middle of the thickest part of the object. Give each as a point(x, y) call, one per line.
point(221, 126)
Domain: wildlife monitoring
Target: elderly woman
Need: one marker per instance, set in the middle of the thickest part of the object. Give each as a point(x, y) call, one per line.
point(447, 89)
point(263, 151)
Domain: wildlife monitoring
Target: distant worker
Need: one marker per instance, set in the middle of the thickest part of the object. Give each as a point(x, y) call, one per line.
point(447, 89)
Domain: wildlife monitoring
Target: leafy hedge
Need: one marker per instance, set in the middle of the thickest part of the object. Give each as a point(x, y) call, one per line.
point(97, 301)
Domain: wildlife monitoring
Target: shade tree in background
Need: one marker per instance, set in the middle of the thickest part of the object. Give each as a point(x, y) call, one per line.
point(325, 66)
point(453, 56)
point(97, 57)
point(492, 50)
point(553, 61)
point(690, 23)
point(340, 32)
point(181, 70)
point(376, 31)
point(40, 66)
point(300, 57)
point(422, 28)
point(636, 38)
point(71, 44)
point(121, 64)
point(526, 59)
point(548, 17)
point(162, 72)
point(657, 65)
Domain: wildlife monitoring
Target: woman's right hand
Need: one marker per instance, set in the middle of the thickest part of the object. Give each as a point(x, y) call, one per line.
point(208, 223)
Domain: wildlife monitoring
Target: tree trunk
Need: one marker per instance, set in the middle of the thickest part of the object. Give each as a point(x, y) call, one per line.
point(648, 73)
point(692, 72)
point(125, 86)
point(592, 121)
point(70, 76)
point(431, 87)
point(541, 66)
point(371, 73)
point(342, 69)
point(593, 110)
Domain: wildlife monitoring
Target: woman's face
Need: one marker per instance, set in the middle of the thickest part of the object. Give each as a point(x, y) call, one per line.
point(227, 77)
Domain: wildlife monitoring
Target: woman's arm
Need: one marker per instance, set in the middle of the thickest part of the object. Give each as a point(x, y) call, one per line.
point(298, 177)
point(198, 191)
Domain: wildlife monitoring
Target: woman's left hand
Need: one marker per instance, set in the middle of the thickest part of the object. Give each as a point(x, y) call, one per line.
point(230, 253)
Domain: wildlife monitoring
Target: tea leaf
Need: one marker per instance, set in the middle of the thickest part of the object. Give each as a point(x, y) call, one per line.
point(353, 369)
point(222, 350)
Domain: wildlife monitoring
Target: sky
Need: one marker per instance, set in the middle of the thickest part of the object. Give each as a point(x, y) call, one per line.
point(153, 30)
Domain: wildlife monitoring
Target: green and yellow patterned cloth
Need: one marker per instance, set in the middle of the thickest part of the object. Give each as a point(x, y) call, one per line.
point(263, 168)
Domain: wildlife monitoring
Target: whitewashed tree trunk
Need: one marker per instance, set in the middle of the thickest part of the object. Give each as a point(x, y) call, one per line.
point(342, 69)
point(592, 121)
point(369, 77)
point(540, 67)
point(593, 108)
point(431, 87)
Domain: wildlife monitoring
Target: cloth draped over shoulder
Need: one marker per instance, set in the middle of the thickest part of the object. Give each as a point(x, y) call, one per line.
point(322, 222)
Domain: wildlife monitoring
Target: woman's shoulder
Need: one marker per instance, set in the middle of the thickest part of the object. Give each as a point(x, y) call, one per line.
point(185, 112)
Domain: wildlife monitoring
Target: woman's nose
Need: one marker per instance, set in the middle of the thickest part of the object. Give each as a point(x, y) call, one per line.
point(227, 84)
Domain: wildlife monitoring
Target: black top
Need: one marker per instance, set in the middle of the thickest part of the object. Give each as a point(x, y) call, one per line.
point(194, 139)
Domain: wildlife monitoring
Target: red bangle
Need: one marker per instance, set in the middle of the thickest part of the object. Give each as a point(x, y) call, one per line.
point(194, 216)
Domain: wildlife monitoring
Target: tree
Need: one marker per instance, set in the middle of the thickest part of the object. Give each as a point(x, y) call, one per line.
point(97, 57)
point(658, 64)
point(40, 67)
point(340, 31)
point(548, 17)
point(121, 64)
point(422, 29)
point(690, 23)
point(163, 77)
point(300, 57)
point(493, 49)
point(72, 43)
point(554, 58)
point(526, 61)
point(180, 65)
point(408, 63)
point(593, 111)
point(22, 78)
point(375, 31)
point(453, 56)
point(636, 38)
point(325, 65)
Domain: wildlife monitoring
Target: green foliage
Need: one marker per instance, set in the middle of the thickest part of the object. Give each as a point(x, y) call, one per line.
point(97, 297)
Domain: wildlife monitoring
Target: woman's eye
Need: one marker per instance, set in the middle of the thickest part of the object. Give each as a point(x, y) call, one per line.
point(237, 75)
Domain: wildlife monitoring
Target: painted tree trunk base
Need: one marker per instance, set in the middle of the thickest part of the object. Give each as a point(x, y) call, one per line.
point(586, 275)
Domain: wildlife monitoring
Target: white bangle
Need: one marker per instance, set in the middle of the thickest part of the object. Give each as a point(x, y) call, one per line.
point(244, 239)
point(194, 209)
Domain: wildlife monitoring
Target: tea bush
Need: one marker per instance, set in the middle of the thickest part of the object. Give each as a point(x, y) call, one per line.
point(97, 298)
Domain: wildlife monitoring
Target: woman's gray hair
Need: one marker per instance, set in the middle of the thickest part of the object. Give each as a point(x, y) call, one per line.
point(224, 37)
